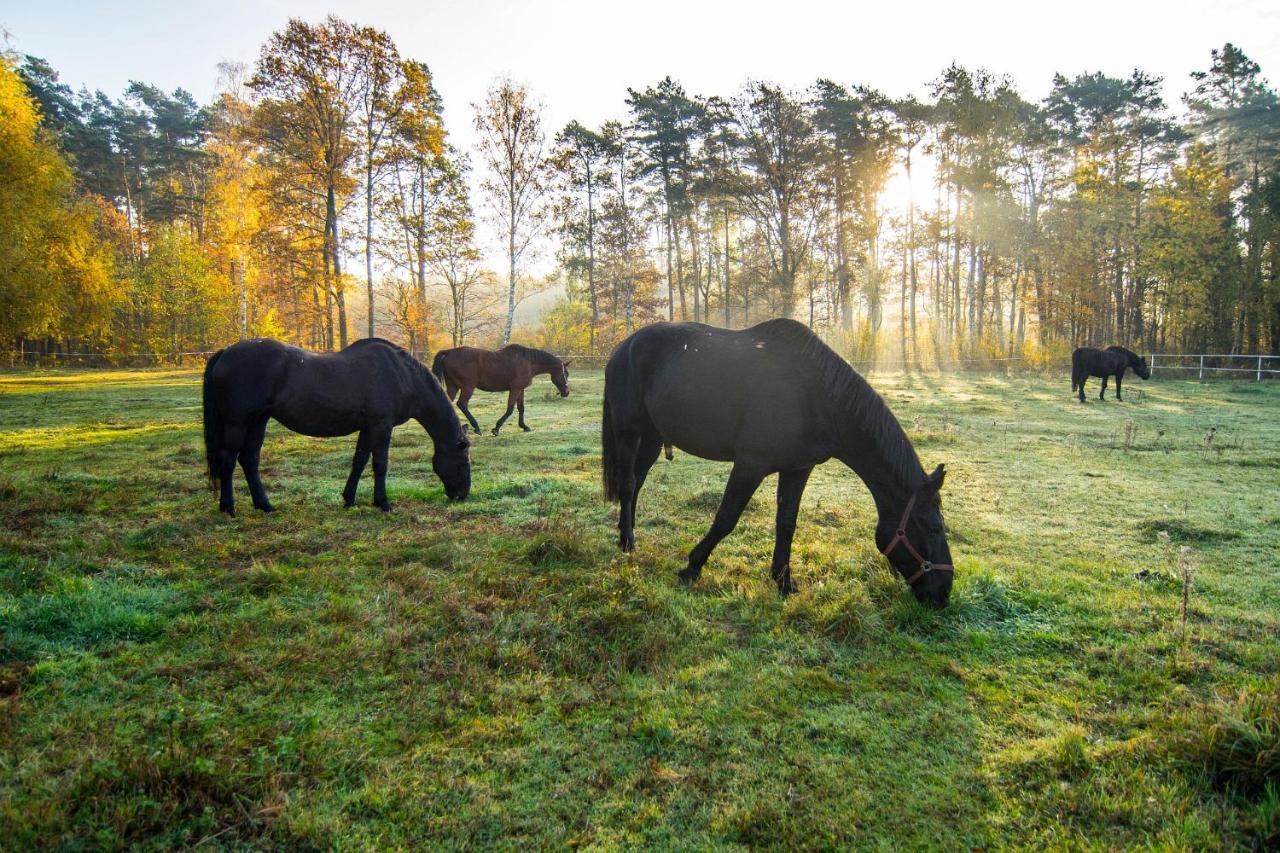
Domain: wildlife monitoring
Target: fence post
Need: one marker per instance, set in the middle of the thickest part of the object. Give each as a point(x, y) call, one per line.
point(1259, 369)
point(1202, 367)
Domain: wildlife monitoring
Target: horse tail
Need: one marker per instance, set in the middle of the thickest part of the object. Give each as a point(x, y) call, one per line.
point(213, 427)
point(609, 454)
point(1075, 370)
point(437, 366)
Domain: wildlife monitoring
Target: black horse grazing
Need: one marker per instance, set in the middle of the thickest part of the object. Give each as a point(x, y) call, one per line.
point(772, 398)
point(1112, 361)
point(370, 387)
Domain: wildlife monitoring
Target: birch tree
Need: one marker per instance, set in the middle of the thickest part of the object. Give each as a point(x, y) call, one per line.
point(511, 145)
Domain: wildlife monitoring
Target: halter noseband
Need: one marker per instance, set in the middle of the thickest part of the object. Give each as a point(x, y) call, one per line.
point(900, 538)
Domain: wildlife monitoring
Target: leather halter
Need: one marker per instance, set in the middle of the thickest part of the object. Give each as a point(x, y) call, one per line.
point(900, 538)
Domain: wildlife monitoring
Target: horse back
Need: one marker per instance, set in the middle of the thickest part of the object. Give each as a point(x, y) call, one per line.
point(719, 394)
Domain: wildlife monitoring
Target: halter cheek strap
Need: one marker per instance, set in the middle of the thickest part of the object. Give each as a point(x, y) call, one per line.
point(900, 538)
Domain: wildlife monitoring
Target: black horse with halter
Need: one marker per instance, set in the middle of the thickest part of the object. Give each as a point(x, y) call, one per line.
point(900, 538)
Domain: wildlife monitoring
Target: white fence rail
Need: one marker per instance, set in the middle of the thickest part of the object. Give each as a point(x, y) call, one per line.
point(1261, 366)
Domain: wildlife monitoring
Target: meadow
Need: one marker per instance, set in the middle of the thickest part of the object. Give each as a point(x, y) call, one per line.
point(496, 673)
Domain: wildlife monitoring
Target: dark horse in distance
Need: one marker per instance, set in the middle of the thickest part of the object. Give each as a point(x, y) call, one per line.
point(464, 369)
point(1112, 361)
point(769, 399)
point(370, 387)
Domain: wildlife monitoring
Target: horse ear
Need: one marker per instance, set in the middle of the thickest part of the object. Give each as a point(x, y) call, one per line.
point(934, 481)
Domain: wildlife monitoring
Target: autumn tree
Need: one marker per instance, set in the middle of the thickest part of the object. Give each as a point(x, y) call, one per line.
point(310, 79)
point(55, 275)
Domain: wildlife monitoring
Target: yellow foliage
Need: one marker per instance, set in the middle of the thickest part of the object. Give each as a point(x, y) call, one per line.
point(55, 273)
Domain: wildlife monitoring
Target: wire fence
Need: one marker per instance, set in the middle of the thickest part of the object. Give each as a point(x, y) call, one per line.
point(1206, 365)
point(1199, 365)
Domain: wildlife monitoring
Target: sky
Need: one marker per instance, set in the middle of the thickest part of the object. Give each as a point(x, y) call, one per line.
point(579, 56)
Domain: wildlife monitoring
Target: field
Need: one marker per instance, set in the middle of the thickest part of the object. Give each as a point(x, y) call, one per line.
point(495, 672)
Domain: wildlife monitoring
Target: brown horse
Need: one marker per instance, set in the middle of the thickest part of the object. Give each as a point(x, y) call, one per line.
point(464, 369)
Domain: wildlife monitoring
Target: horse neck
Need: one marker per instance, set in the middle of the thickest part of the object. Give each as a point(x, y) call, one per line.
point(434, 411)
point(879, 462)
point(540, 362)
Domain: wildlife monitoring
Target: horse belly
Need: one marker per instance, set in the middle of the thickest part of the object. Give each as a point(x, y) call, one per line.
point(318, 420)
point(702, 430)
point(323, 399)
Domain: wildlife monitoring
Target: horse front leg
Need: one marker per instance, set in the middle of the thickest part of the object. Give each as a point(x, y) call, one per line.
point(1083, 380)
point(520, 408)
point(381, 444)
point(249, 458)
point(1119, 376)
point(743, 482)
point(511, 405)
point(357, 468)
point(1102, 395)
point(790, 488)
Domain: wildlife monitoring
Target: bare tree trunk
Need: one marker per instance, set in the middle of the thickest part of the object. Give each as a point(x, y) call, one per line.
point(368, 234)
point(335, 253)
point(727, 319)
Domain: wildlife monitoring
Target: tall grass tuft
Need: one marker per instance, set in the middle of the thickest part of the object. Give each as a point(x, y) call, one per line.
point(1236, 740)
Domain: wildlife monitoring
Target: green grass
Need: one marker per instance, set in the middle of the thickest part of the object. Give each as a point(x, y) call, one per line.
point(495, 672)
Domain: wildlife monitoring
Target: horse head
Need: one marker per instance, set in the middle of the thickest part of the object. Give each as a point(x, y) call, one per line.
point(917, 547)
point(452, 464)
point(1140, 366)
point(560, 377)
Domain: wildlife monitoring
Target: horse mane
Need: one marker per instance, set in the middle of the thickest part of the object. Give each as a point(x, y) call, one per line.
point(1127, 353)
point(536, 357)
point(852, 394)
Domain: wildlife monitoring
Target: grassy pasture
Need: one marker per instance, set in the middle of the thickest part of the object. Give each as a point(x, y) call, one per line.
point(496, 673)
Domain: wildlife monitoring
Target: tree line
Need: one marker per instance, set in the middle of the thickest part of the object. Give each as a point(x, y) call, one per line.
point(1094, 216)
point(319, 198)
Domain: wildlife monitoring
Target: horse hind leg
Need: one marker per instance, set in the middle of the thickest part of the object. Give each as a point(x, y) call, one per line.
point(358, 462)
point(232, 440)
point(381, 443)
point(790, 489)
point(743, 482)
point(628, 450)
point(463, 399)
point(249, 456)
point(646, 454)
point(1102, 394)
point(520, 409)
point(511, 405)
point(1083, 380)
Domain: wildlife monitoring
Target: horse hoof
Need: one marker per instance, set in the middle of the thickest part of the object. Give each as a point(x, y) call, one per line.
point(385, 506)
point(265, 508)
point(348, 503)
point(688, 576)
point(525, 428)
point(229, 510)
point(494, 431)
point(787, 588)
